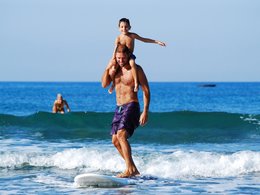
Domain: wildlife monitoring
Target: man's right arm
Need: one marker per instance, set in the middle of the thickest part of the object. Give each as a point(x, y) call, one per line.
point(109, 73)
point(106, 79)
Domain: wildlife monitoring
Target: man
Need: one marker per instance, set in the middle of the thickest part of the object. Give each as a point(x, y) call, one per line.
point(127, 114)
point(59, 103)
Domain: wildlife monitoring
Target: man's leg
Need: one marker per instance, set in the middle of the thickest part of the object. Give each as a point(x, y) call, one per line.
point(125, 149)
point(117, 145)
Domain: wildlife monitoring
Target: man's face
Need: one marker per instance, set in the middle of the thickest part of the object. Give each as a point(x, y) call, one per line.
point(122, 59)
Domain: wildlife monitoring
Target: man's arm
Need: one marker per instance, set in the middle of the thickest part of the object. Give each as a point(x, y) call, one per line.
point(147, 40)
point(106, 78)
point(146, 95)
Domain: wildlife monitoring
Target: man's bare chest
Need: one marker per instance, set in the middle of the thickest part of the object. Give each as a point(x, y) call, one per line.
point(125, 78)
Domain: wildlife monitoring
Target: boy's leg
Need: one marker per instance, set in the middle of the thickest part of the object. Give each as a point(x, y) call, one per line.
point(112, 87)
point(134, 72)
point(114, 65)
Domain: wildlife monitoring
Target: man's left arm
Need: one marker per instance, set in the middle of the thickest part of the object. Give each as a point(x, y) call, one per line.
point(146, 95)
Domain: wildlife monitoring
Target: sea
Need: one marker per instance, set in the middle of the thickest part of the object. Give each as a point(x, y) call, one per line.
point(201, 138)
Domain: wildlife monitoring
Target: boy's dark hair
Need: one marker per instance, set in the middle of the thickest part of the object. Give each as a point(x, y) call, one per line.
point(126, 21)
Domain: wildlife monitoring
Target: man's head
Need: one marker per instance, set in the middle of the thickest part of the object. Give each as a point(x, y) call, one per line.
point(122, 55)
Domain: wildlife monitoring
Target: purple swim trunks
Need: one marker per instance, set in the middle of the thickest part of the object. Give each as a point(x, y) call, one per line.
point(126, 117)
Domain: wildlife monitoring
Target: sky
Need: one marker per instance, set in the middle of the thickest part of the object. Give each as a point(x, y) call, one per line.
point(73, 40)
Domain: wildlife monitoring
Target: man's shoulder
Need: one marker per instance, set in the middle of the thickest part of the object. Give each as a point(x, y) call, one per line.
point(140, 70)
point(139, 67)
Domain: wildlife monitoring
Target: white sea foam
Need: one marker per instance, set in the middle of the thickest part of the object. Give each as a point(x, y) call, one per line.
point(176, 164)
point(203, 164)
point(52, 181)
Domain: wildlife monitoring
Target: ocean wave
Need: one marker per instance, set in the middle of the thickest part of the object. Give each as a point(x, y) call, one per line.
point(162, 128)
point(177, 164)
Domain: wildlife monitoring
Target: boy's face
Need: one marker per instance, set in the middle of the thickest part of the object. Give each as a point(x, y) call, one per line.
point(124, 28)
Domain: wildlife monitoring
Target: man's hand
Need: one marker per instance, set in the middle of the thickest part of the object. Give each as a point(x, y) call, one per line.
point(143, 118)
point(111, 67)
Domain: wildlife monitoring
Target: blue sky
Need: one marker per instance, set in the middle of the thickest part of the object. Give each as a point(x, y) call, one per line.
point(72, 40)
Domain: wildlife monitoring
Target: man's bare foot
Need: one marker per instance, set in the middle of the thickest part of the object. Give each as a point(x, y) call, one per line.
point(127, 174)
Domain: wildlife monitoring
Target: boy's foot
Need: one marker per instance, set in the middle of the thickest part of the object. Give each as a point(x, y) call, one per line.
point(111, 88)
point(136, 88)
point(110, 91)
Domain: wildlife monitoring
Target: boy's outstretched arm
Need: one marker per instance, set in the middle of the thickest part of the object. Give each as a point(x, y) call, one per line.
point(147, 40)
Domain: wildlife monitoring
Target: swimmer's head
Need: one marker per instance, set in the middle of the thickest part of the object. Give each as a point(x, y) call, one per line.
point(59, 96)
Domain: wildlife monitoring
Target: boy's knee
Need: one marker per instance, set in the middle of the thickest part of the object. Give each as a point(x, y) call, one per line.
point(132, 62)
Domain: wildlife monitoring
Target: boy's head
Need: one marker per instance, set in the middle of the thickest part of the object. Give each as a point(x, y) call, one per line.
point(126, 21)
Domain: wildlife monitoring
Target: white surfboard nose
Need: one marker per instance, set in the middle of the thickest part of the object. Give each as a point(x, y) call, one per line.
point(99, 181)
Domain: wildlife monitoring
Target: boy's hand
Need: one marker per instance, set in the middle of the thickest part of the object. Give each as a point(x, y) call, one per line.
point(161, 43)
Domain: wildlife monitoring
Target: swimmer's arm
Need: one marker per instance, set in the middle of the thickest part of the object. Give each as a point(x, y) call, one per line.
point(147, 40)
point(54, 108)
point(67, 105)
point(146, 95)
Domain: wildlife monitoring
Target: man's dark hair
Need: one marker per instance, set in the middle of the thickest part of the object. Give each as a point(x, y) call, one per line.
point(122, 49)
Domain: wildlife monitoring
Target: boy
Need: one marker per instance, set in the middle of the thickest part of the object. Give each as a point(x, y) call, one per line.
point(128, 38)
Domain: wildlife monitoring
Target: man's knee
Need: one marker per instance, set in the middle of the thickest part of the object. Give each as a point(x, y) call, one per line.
point(122, 135)
point(115, 141)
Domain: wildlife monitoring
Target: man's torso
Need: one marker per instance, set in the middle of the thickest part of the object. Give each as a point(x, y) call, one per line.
point(124, 86)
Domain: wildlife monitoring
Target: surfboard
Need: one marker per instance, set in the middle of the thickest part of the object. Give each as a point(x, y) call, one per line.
point(102, 181)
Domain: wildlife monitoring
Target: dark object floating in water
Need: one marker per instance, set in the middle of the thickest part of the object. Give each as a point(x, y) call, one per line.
point(208, 85)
